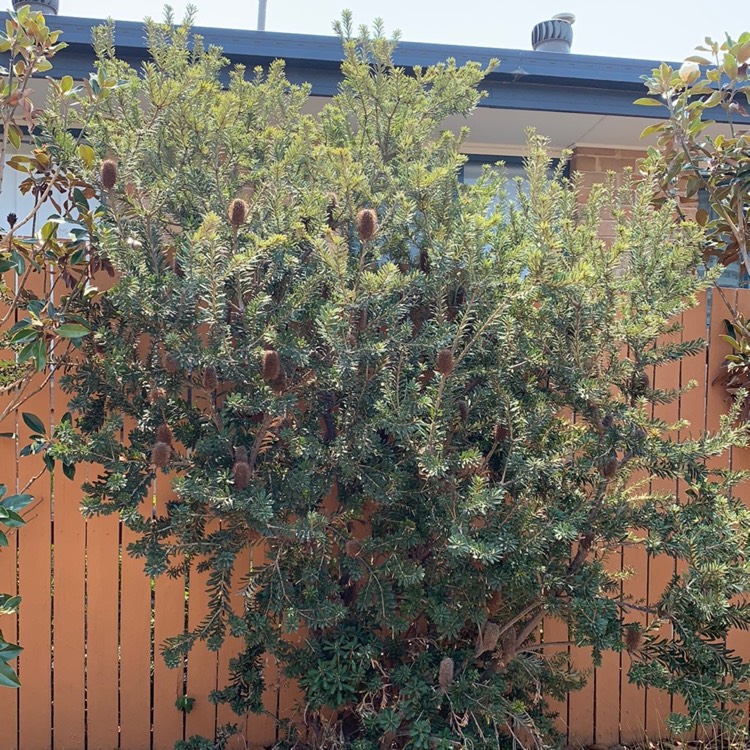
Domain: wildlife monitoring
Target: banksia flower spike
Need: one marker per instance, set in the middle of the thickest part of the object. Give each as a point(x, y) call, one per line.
point(463, 410)
point(633, 638)
point(169, 363)
point(501, 433)
point(164, 434)
point(445, 674)
point(160, 454)
point(270, 365)
point(489, 638)
point(237, 212)
point(210, 378)
point(352, 547)
point(108, 174)
point(367, 224)
point(444, 362)
point(241, 475)
point(609, 469)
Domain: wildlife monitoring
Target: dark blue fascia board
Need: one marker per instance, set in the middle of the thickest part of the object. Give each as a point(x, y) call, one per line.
point(538, 81)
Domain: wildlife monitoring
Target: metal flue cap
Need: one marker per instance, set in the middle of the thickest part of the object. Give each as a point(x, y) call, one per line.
point(48, 7)
point(555, 35)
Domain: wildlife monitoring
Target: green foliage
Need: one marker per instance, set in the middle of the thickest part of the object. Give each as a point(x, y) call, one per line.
point(694, 157)
point(436, 420)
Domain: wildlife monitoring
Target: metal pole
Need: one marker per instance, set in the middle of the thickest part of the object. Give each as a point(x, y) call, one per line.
point(262, 14)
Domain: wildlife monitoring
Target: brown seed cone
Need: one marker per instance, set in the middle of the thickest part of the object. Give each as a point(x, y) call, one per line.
point(108, 174)
point(156, 394)
point(633, 638)
point(237, 212)
point(270, 365)
point(169, 363)
point(278, 384)
point(609, 469)
point(444, 362)
point(362, 320)
point(445, 674)
point(210, 378)
point(164, 434)
point(352, 547)
point(160, 454)
point(241, 475)
point(489, 639)
point(463, 410)
point(501, 433)
point(367, 224)
point(240, 454)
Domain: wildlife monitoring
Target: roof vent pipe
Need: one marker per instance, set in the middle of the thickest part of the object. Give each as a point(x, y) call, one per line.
point(48, 7)
point(555, 35)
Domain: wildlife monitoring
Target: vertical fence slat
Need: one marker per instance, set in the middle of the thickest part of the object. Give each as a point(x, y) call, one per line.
point(169, 621)
point(8, 578)
point(556, 631)
point(135, 650)
point(607, 679)
point(102, 672)
point(201, 663)
point(35, 584)
point(69, 613)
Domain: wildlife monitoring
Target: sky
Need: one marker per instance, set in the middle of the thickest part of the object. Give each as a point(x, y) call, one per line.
point(641, 29)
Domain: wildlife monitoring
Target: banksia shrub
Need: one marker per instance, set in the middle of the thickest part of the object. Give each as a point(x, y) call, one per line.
point(237, 212)
point(444, 362)
point(108, 174)
point(367, 224)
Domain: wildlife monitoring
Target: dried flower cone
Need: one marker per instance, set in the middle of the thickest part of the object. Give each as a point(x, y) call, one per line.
point(108, 174)
point(444, 362)
point(241, 475)
point(164, 434)
point(270, 365)
point(352, 547)
point(160, 454)
point(445, 674)
point(367, 224)
point(610, 468)
point(170, 363)
point(488, 639)
point(501, 433)
point(237, 212)
point(463, 410)
point(210, 378)
point(240, 454)
point(633, 639)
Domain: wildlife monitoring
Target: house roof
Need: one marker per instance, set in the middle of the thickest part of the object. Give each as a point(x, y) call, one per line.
point(525, 80)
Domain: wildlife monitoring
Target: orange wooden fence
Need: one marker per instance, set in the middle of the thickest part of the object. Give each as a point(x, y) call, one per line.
point(91, 622)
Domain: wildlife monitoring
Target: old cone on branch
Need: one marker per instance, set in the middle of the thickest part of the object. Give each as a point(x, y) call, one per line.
point(160, 454)
point(445, 674)
point(501, 433)
point(170, 363)
point(367, 224)
point(270, 365)
point(444, 362)
point(210, 378)
point(633, 638)
point(241, 474)
point(237, 212)
point(352, 547)
point(240, 454)
point(108, 174)
point(164, 434)
point(610, 468)
point(488, 639)
point(463, 410)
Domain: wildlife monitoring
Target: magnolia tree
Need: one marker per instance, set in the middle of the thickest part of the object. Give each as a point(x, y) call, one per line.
point(44, 275)
point(698, 157)
point(426, 404)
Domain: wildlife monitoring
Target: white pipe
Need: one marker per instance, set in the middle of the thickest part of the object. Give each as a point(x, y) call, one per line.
point(262, 14)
